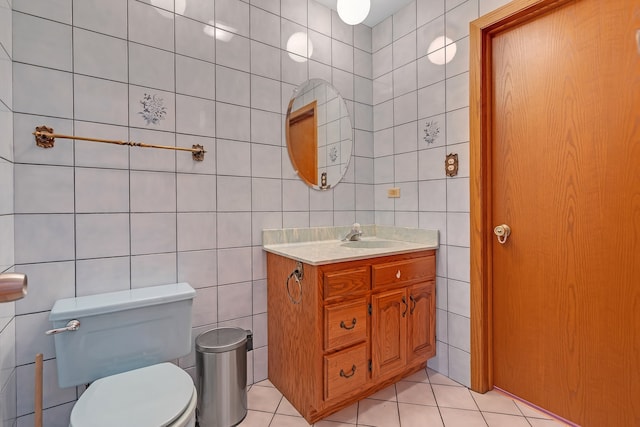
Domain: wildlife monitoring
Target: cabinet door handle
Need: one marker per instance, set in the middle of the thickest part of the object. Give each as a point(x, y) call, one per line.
point(346, 375)
point(353, 324)
point(406, 306)
point(413, 302)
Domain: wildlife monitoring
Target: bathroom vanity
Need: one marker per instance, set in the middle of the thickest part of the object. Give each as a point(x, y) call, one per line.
point(346, 319)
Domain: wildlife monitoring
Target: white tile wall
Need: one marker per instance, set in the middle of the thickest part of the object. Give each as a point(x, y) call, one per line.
point(44, 237)
point(8, 393)
point(198, 268)
point(408, 86)
point(233, 15)
point(99, 55)
point(96, 15)
point(111, 109)
point(56, 10)
point(43, 293)
point(104, 218)
point(151, 67)
point(100, 235)
point(195, 39)
point(54, 89)
point(99, 275)
point(150, 26)
point(42, 42)
point(149, 270)
point(195, 116)
point(196, 231)
point(100, 190)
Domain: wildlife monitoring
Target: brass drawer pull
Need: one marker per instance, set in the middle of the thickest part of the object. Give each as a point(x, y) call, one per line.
point(345, 375)
point(353, 325)
point(413, 307)
point(406, 306)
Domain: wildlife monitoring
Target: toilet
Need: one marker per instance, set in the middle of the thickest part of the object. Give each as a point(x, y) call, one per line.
point(122, 348)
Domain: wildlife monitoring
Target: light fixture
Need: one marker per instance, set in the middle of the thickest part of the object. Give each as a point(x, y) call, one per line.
point(353, 12)
point(441, 50)
point(219, 31)
point(179, 7)
point(299, 47)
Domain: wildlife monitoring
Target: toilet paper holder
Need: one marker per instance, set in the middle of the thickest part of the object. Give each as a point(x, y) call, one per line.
point(13, 286)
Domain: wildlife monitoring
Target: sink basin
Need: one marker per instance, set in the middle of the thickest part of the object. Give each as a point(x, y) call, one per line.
point(372, 244)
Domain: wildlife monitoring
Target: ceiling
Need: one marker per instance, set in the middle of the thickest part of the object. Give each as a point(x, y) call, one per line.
point(380, 9)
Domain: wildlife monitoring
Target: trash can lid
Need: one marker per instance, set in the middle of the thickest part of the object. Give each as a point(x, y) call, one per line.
point(221, 340)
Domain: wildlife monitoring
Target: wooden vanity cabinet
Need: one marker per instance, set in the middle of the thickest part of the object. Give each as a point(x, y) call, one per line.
point(358, 327)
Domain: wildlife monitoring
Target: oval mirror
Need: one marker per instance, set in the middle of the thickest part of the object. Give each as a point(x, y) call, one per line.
point(319, 134)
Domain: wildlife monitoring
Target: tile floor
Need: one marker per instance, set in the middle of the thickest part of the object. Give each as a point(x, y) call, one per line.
point(425, 399)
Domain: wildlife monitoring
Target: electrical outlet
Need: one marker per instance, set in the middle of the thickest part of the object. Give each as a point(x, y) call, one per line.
point(393, 193)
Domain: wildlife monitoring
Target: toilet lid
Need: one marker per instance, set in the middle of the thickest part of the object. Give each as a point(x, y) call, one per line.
point(153, 396)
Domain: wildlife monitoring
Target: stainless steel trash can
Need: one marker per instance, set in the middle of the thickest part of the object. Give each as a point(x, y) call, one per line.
point(221, 372)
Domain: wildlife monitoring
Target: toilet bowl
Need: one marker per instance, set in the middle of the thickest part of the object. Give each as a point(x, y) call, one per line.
point(121, 344)
point(160, 395)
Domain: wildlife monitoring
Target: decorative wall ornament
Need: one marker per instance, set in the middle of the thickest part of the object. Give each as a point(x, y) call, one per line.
point(153, 109)
point(333, 154)
point(431, 131)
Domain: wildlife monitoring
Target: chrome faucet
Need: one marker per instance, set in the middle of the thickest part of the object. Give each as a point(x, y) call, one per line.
point(355, 233)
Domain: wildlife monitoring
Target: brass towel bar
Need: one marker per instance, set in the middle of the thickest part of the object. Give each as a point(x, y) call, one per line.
point(45, 138)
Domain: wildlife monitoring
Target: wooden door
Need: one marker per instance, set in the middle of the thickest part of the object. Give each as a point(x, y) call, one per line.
point(559, 163)
point(302, 142)
point(421, 322)
point(388, 332)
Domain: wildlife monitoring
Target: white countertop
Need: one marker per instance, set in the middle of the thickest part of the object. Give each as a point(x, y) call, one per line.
point(323, 245)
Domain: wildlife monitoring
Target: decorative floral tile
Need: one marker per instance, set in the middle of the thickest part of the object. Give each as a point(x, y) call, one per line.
point(431, 131)
point(153, 109)
point(333, 154)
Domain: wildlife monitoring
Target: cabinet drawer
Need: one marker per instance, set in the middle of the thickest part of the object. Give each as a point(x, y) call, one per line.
point(344, 282)
point(345, 371)
point(345, 324)
point(405, 271)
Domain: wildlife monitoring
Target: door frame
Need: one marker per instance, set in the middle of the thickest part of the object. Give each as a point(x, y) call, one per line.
point(481, 32)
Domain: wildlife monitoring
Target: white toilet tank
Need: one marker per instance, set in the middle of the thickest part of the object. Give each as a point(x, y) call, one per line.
point(121, 331)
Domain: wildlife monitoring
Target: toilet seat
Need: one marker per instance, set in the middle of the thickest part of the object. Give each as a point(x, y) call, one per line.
point(160, 395)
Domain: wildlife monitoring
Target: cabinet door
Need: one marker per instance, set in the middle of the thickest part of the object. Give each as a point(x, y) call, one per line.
point(421, 322)
point(388, 332)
